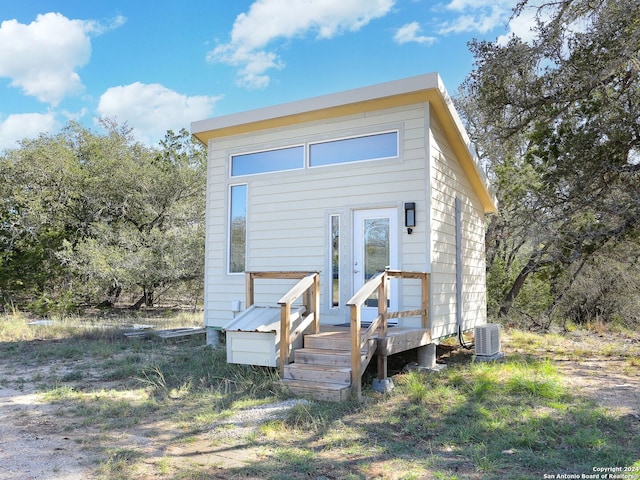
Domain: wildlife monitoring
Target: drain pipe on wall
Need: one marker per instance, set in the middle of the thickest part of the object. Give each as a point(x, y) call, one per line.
point(459, 274)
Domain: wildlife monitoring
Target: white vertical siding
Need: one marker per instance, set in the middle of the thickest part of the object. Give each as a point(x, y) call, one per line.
point(448, 182)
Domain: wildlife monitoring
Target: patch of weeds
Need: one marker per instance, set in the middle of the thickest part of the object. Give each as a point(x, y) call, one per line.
point(485, 460)
point(182, 391)
point(348, 440)
point(457, 380)
point(205, 370)
point(305, 416)
point(119, 463)
point(21, 382)
point(153, 378)
point(416, 386)
point(64, 350)
point(467, 434)
point(117, 413)
point(60, 393)
point(535, 386)
point(634, 361)
point(483, 386)
point(251, 438)
point(165, 466)
point(72, 376)
point(122, 371)
point(352, 476)
point(299, 460)
point(188, 439)
point(206, 412)
point(107, 409)
point(444, 476)
point(414, 421)
point(253, 381)
point(431, 390)
point(524, 340)
point(273, 428)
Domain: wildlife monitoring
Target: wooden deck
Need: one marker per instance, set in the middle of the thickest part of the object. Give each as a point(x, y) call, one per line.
point(398, 339)
point(328, 354)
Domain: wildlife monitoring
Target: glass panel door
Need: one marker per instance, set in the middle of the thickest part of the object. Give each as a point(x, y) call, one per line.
point(375, 248)
point(375, 251)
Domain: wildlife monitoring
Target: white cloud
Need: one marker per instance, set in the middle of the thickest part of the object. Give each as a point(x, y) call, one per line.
point(465, 5)
point(25, 125)
point(152, 109)
point(521, 26)
point(480, 16)
point(42, 58)
point(410, 33)
point(525, 26)
point(268, 20)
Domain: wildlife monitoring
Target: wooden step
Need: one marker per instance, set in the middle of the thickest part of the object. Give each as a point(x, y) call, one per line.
point(331, 392)
point(329, 341)
point(317, 373)
point(319, 356)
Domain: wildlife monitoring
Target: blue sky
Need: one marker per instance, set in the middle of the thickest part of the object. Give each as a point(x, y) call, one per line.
point(161, 64)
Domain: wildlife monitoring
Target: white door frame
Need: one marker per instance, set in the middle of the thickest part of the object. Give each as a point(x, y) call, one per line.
point(358, 254)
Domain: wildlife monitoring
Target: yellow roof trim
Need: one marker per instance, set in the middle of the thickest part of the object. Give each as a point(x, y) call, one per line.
point(315, 115)
point(365, 100)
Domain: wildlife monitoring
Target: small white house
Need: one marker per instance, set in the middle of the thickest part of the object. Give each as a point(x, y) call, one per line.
point(348, 184)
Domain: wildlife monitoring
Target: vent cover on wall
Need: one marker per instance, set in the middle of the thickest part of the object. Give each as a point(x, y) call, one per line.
point(487, 339)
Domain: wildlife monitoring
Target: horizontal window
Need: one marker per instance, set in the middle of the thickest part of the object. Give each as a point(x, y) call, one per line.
point(356, 149)
point(267, 161)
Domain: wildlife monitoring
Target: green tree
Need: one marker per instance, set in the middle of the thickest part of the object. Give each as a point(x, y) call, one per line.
point(558, 120)
point(85, 216)
point(151, 229)
point(40, 211)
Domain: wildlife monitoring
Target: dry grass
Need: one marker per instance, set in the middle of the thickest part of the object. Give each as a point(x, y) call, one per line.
point(153, 409)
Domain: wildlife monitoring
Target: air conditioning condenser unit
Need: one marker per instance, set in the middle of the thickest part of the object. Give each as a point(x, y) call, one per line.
point(487, 339)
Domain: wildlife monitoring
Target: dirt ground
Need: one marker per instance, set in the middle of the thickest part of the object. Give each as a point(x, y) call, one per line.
point(36, 442)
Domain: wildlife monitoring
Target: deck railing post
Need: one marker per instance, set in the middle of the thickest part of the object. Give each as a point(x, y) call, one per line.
point(249, 292)
point(425, 301)
point(356, 386)
point(308, 300)
point(285, 323)
point(315, 303)
point(382, 329)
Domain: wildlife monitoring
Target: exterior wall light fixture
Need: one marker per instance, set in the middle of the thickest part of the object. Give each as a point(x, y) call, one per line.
point(409, 216)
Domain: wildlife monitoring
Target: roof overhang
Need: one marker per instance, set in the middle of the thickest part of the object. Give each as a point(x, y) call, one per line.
point(420, 89)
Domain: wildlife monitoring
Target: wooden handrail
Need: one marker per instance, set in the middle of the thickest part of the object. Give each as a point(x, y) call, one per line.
point(309, 284)
point(300, 288)
point(379, 325)
point(377, 282)
point(366, 290)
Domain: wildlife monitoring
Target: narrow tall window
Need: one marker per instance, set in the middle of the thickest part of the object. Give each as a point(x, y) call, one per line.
point(237, 228)
point(335, 261)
